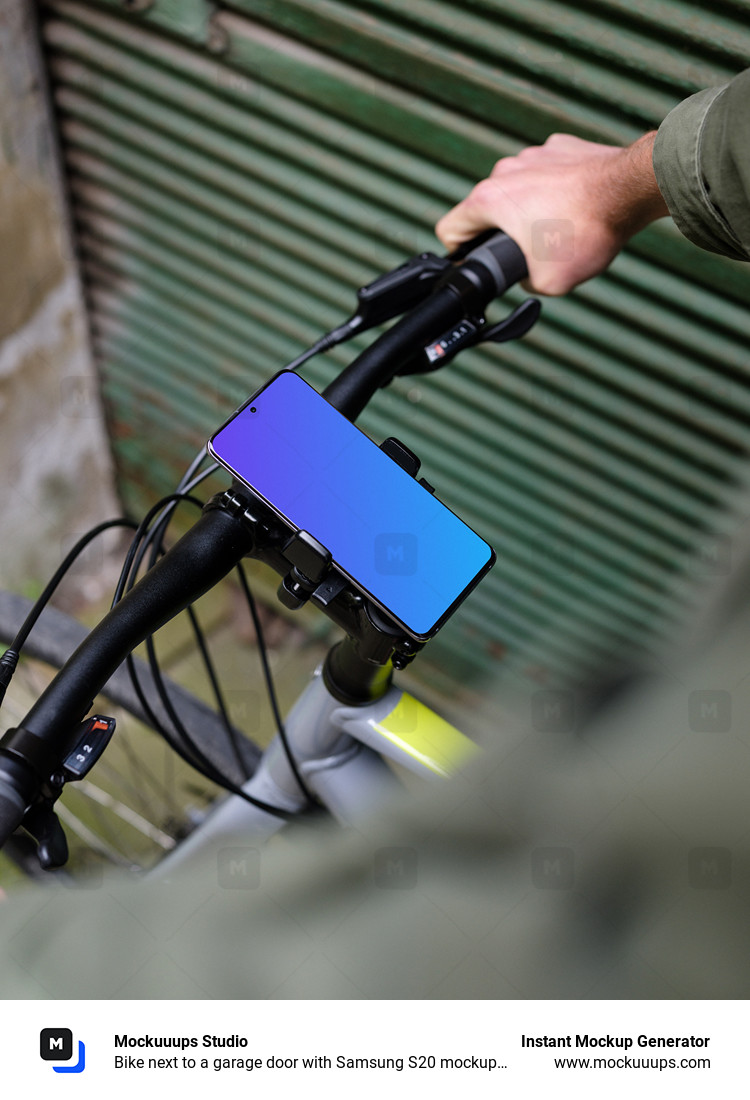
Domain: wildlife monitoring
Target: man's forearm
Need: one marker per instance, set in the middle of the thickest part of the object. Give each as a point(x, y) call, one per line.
point(637, 199)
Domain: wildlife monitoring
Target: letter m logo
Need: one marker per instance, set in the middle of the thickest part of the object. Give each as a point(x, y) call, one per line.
point(710, 868)
point(56, 1044)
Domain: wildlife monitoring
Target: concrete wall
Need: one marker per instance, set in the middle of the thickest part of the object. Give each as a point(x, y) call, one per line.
point(55, 467)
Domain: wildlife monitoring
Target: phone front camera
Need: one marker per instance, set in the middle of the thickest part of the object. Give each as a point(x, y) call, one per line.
point(252, 410)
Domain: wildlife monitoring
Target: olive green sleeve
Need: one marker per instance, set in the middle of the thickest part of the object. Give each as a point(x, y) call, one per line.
point(702, 166)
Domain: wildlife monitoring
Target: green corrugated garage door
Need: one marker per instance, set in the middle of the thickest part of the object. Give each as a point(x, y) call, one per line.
point(237, 169)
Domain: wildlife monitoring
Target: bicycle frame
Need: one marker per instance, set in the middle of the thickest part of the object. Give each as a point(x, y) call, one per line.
point(340, 752)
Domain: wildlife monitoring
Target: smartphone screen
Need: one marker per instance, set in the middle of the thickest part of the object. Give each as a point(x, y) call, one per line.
point(395, 541)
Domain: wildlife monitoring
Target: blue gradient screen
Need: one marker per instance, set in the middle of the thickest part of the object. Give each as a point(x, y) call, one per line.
point(388, 533)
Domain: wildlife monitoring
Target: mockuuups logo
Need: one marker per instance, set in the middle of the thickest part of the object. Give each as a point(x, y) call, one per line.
point(56, 1045)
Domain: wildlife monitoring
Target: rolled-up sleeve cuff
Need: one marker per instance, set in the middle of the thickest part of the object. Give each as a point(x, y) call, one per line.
point(677, 165)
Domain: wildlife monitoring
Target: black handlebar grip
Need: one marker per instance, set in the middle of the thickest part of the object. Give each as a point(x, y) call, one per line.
point(499, 255)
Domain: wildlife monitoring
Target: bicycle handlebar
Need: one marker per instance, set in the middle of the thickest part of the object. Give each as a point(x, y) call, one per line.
point(30, 753)
point(219, 540)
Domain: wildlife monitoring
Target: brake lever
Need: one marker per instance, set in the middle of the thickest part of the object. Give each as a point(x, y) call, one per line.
point(43, 825)
point(40, 821)
point(396, 291)
point(406, 286)
point(515, 325)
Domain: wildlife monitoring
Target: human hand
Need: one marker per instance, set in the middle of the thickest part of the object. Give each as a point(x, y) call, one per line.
point(569, 204)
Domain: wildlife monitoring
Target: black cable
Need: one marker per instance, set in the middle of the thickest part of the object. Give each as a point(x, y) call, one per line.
point(146, 540)
point(9, 660)
point(155, 535)
point(126, 582)
point(193, 756)
point(158, 532)
point(192, 468)
point(330, 340)
point(139, 535)
point(140, 531)
point(316, 348)
point(187, 483)
point(146, 537)
point(60, 572)
point(262, 650)
point(221, 705)
point(204, 764)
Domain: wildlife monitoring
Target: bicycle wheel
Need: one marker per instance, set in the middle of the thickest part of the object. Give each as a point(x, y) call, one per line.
point(140, 799)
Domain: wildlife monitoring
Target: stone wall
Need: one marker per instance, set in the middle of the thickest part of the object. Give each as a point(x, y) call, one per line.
point(56, 478)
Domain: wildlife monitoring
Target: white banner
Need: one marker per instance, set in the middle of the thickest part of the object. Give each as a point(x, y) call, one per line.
point(443, 1049)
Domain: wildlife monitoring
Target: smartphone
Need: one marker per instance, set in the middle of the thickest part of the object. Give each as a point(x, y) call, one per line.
point(396, 542)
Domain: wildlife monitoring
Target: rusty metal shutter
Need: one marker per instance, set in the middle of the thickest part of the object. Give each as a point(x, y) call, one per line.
point(237, 169)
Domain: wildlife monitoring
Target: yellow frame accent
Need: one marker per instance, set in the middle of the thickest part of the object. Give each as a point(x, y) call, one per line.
point(420, 733)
